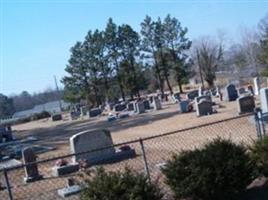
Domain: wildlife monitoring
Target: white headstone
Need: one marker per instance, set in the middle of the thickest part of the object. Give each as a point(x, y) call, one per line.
point(89, 141)
point(264, 99)
point(256, 85)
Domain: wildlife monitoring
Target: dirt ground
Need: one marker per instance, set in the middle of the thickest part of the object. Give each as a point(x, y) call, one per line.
point(57, 134)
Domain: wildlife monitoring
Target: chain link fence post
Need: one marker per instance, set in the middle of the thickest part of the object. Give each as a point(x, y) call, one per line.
point(8, 185)
point(260, 126)
point(146, 168)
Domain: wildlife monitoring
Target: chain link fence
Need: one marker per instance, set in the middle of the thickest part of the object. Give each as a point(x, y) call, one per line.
point(151, 154)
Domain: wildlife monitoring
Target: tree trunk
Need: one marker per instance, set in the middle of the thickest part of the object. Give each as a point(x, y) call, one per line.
point(169, 86)
point(180, 86)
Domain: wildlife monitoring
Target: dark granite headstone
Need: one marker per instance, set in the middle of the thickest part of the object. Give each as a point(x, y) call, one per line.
point(245, 104)
point(31, 170)
point(146, 105)
point(204, 108)
point(191, 95)
point(119, 107)
point(231, 92)
point(95, 112)
point(56, 117)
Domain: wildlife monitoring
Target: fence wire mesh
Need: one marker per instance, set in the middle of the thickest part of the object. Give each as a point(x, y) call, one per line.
point(157, 150)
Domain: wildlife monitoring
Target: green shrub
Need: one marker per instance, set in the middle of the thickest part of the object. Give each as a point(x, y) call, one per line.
point(219, 171)
point(126, 185)
point(259, 155)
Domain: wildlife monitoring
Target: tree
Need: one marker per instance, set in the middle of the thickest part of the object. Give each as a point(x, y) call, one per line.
point(208, 56)
point(130, 71)
point(177, 43)
point(112, 42)
point(149, 48)
point(6, 106)
point(263, 55)
point(77, 83)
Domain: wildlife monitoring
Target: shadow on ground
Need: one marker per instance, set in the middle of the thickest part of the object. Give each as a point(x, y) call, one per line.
point(60, 134)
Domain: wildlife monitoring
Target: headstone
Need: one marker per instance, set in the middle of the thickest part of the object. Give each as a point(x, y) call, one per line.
point(177, 96)
point(231, 92)
point(91, 140)
point(157, 104)
point(191, 95)
point(256, 85)
point(119, 107)
point(184, 106)
point(217, 92)
point(140, 107)
point(205, 97)
point(56, 117)
point(95, 112)
point(75, 115)
point(84, 110)
point(31, 170)
point(204, 108)
point(245, 104)
point(130, 106)
point(200, 91)
point(250, 89)
point(151, 99)
point(69, 190)
point(264, 99)
point(146, 105)
point(241, 91)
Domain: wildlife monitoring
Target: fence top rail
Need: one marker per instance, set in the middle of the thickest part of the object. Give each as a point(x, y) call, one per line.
point(127, 142)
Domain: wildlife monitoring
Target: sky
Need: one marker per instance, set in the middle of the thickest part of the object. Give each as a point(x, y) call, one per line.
point(36, 35)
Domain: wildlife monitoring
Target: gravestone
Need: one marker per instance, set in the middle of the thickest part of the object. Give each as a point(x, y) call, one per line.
point(140, 107)
point(84, 110)
point(130, 106)
point(119, 107)
point(157, 103)
point(204, 108)
point(200, 91)
point(250, 89)
point(31, 170)
point(231, 93)
point(56, 117)
point(95, 112)
point(184, 106)
point(146, 105)
point(264, 99)
point(205, 97)
point(177, 96)
point(241, 91)
point(74, 115)
point(256, 85)
point(91, 140)
point(191, 95)
point(151, 99)
point(245, 104)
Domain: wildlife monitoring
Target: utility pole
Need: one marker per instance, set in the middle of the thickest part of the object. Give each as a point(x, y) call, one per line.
point(57, 88)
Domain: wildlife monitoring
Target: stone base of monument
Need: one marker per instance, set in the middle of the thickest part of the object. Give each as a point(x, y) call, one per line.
point(32, 179)
point(67, 169)
point(68, 191)
point(116, 157)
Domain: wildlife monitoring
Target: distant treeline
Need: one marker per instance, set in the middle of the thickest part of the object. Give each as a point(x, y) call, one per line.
point(25, 101)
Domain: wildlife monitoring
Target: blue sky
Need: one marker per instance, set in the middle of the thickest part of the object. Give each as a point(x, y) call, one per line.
point(36, 35)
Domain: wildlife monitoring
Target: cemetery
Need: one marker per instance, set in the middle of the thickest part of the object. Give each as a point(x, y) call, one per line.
point(157, 111)
point(97, 128)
